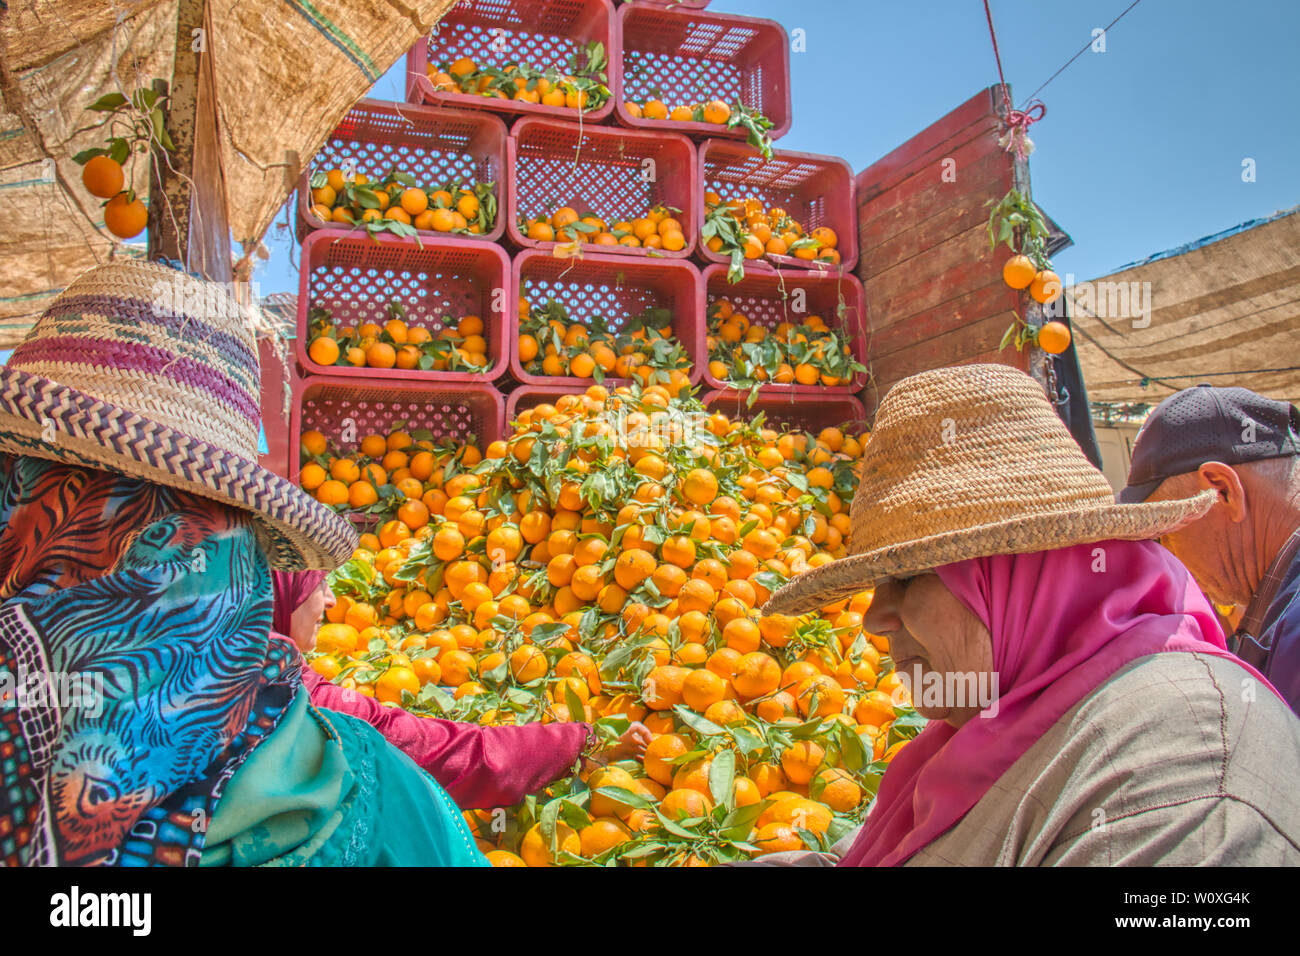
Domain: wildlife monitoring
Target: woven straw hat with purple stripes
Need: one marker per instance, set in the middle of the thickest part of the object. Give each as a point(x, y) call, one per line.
point(145, 370)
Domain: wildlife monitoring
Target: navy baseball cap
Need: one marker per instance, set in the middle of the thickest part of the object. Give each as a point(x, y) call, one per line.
point(1204, 423)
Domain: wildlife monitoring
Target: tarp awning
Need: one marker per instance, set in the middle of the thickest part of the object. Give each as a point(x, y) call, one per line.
point(1224, 309)
point(286, 71)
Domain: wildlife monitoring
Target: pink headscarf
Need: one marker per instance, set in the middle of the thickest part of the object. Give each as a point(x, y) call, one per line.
point(291, 588)
point(1061, 627)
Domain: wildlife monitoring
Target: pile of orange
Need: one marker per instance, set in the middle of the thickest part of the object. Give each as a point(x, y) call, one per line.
point(398, 344)
point(550, 343)
point(808, 353)
point(748, 227)
point(607, 562)
point(716, 112)
point(655, 229)
point(453, 208)
point(582, 91)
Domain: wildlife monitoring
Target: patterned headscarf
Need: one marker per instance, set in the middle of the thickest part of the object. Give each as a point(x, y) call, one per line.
point(143, 615)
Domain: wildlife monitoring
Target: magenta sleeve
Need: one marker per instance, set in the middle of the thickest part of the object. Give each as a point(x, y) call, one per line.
point(480, 767)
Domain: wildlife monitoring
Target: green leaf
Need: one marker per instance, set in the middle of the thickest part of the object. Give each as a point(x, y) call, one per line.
point(722, 774)
point(696, 722)
point(108, 102)
point(634, 800)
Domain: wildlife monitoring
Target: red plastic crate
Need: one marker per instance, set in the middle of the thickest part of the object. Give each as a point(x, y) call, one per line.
point(816, 190)
point(787, 410)
point(543, 34)
point(355, 277)
point(342, 407)
point(685, 4)
point(769, 298)
point(616, 289)
point(683, 56)
point(604, 170)
point(434, 145)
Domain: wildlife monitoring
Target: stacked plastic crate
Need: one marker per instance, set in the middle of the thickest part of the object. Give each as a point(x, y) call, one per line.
point(604, 159)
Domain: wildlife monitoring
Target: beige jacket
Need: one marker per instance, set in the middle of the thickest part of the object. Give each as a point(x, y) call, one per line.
point(1179, 759)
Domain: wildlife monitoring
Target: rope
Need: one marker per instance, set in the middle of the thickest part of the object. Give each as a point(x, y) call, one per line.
point(1017, 121)
point(1073, 58)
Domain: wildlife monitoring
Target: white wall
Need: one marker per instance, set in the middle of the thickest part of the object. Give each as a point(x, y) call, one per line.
point(1116, 445)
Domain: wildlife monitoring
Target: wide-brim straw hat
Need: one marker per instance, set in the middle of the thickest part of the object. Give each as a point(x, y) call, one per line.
point(144, 370)
point(970, 462)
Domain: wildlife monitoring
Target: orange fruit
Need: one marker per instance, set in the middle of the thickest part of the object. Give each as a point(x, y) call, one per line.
point(827, 693)
point(840, 791)
point(603, 834)
point(777, 838)
point(393, 681)
point(414, 201)
point(535, 850)
point(1019, 271)
point(660, 752)
point(1054, 337)
point(757, 674)
point(662, 688)
point(685, 804)
point(125, 218)
point(801, 759)
point(103, 177)
point(701, 688)
point(1046, 287)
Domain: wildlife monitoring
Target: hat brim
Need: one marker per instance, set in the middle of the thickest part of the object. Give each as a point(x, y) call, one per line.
point(1136, 494)
point(45, 419)
point(842, 579)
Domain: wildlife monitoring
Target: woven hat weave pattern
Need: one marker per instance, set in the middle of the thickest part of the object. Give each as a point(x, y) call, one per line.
point(146, 370)
point(968, 462)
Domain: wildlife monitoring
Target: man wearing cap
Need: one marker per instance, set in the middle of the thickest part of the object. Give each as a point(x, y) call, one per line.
point(1246, 549)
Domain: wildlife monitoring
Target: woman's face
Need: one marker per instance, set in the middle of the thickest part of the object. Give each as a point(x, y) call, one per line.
point(303, 621)
point(930, 633)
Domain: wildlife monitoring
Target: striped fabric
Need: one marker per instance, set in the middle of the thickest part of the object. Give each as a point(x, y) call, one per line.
point(146, 370)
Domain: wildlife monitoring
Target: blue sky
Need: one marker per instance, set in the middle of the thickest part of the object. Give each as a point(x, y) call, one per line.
point(1142, 145)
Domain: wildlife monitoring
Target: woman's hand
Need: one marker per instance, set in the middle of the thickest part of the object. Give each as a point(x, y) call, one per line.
point(631, 743)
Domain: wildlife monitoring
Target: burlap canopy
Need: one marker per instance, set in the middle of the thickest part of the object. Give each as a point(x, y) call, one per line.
point(1223, 310)
point(285, 71)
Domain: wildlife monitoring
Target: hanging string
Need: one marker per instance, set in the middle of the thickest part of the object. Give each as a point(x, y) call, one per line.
point(1017, 121)
point(1081, 52)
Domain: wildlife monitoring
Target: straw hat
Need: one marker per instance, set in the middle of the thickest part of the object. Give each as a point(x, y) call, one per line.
point(969, 462)
point(142, 369)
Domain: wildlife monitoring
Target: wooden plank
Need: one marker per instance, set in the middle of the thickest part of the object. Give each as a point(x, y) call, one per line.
point(973, 146)
point(187, 203)
point(954, 347)
point(949, 269)
point(967, 309)
point(887, 171)
point(931, 195)
point(927, 232)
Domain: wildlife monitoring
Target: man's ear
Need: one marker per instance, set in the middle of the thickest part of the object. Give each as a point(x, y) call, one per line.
point(1227, 483)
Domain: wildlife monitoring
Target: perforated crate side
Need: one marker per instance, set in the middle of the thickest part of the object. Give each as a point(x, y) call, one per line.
point(356, 278)
point(544, 34)
point(616, 174)
point(684, 56)
point(435, 146)
point(338, 407)
point(816, 190)
point(769, 298)
point(615, 289)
